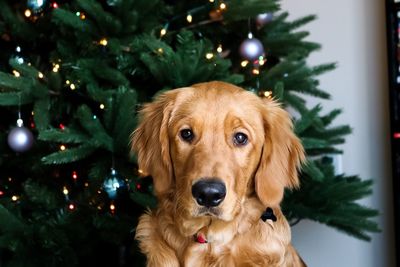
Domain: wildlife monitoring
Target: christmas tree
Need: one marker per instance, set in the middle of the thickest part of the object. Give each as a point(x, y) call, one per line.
point(75, 72)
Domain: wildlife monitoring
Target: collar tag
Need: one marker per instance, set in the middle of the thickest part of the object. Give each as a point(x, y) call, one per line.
point(200, 238)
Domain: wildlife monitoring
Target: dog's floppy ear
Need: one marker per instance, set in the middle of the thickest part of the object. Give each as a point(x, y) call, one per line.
point(151, 143)
point(281, 156)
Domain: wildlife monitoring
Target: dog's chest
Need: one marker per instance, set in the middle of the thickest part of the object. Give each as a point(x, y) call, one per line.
point(247, 249)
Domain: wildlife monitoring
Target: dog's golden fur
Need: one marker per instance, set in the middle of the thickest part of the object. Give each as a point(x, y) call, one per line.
point(254, 174)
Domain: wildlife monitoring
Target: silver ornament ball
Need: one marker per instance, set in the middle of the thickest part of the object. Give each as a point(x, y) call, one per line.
point(113, 184)
point(20, 139)
point(251, 49)
point(36, 6)
point(263, 19)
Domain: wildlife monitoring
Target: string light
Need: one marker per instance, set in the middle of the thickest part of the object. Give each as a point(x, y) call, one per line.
point(189, 18)
point(54, 5)
point(40, 75)
point(74, 175)
point(9, 179)
point(160, 50)
point(211, 1)
point(72, 86)
point(163, 32)
point(1, 193)
point(82, 16)
point(267, 94)
point(244, 63)
point(222, 6)
point(63, 147)
point(14, 198)
point(56, 67)
point(86, 184)
point(102, 106)
point(209, 55)
point(256, 71)
point(261, 61)
point(103, 42)
point(71, 206)
point(219, 49)
point(62, 126)
point(112, 207)
point(16, 73)
point(65, 191)
point(27, 13)
point(67, 82)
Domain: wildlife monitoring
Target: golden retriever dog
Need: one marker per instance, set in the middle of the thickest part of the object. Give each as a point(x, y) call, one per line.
point(220, 158)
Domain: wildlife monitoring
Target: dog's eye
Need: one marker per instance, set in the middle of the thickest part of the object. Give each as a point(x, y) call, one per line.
point(187, 135)
point(240, 139)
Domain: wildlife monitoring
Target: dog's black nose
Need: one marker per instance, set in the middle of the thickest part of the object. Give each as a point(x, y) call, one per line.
point(209, 192)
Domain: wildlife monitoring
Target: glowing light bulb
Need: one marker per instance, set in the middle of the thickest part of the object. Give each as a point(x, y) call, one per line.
point(103, 42)
point(244, 63)
point(102, 106)
point(56, 67)
point(209, 55)
point(72, 86)
point(14, 198)
point(71, 206)
point(222, 6)
point(219, 49)
point(163, 32)
point(16, 73)
point(268, 94)
point(28, 13)
point(40, 75)
point(63, 147)
point(65, 190)
point(189, 18)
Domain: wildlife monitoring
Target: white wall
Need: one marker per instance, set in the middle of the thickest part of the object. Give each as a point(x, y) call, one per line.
point(353, 34)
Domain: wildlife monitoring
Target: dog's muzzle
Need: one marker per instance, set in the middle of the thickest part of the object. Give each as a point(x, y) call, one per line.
point(209, 192)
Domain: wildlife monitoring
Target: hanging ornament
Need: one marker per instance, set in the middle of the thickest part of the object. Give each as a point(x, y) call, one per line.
point(113, 184)
point(112, 2)
point(20, 139)
point(17, 56)
point(251, 48)
point(263, 19)
point(36, 6)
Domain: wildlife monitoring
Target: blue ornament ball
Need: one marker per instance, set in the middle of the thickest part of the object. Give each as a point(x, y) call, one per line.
point(264, 18)
point(36, 6)
point(251, 49)
point(20, 139)
point(113, 184)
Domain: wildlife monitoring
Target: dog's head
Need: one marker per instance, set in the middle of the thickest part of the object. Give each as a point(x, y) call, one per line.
point(211, 145)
